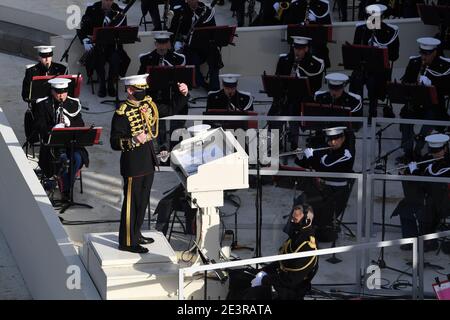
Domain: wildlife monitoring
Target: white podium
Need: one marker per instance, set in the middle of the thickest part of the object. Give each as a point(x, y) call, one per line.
point(207, 164)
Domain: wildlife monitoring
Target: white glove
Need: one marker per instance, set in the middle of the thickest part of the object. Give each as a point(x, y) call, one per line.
point(59, 125)
point(276, 6)
point(309, 152)
point(87, 44)
point(347, 154)
point(311, 17)
point(178, 46)
point(412, 166)
point(425, 81)
point(258, 278)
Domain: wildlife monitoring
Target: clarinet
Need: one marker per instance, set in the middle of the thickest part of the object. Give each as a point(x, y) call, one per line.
point(200, 17)
point(306, 20)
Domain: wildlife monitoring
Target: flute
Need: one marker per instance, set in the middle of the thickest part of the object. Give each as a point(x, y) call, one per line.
point(301, 151)
point(421, 162)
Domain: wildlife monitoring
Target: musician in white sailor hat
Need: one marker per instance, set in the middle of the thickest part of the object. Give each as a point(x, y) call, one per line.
point(335, 154)
point(59, 110)
point(337, 96)
point(229, 97)
point(45, 67)
point(425, 204)
point(299, 62)
point(427, 69)
point(380, 35)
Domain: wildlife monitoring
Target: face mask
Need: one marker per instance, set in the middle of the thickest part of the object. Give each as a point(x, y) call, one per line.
point(139, 95)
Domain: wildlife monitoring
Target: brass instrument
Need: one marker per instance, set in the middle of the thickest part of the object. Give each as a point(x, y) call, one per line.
point(284, 5)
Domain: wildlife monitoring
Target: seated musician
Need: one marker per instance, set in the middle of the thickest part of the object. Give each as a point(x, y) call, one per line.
point(170, 102)
point(196, 14)
point(428, 69)
point(45, 67)
point(104, 13)
point(337, 96)
point(59, 111)
point(229, 97)
point(386, 36)
point(425, 204)
point(299, 62)
point(328, 196)
point(290, 279)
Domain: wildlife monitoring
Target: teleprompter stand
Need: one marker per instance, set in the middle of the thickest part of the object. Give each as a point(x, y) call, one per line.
point(71, 138)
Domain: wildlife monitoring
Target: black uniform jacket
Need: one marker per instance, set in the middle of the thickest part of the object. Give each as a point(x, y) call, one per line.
point(39, 69)
point(290, 278)
point(95, 17)
point(297, 11)
point(386, 37)
point(184, 18)
point(310, 66)
point(136, 159)
point(347, 100)
point(47, 117)
point(340, 160)
point(162, 97)
point(240, 101)
point(438, 72)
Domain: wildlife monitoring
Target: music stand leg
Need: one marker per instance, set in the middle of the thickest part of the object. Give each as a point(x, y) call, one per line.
point(72, 203)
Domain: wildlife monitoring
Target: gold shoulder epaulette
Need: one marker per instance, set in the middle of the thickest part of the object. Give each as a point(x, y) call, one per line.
point(121, 109)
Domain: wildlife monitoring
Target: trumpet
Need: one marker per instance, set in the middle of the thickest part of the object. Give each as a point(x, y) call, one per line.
point(298, 151)
point(284, 5)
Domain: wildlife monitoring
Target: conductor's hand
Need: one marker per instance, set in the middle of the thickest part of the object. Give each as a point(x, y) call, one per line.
point(309, 152)
point(141, 138)
point(412, 166)
point(258, 278)
point(183, 88)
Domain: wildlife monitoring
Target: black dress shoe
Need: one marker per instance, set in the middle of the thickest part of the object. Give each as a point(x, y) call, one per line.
point(145, 240)
point(111, 90)
point(134, 249)
point(102, 91)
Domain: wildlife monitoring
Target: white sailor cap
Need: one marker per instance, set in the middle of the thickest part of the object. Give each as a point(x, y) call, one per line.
point(229, 79)
point(335, 131)
point(376, 9)
point(60, 84)
point(336, 79)
point(138, 81)
point(300, 41)
point(45, 51)
point(436, 141)
point(162, 36)
point(198, 129)
point(428, 43)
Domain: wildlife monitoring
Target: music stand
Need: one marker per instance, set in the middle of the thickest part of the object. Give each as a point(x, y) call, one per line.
point(70, 138)
point(364, 58)
point(115, 36)
point(324, 110)
point(40, 87)
point(220, 36)
point(411, 93)
point(286, 86)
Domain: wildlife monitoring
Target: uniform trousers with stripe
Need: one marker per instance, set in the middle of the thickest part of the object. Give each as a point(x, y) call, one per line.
point(136, 197)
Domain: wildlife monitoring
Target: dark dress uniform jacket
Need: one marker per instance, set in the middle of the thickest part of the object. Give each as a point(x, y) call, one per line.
point(346, 100)
point(291, 278)
point(162, 97)
point(437, 201)
point(297, 9)
point(439, 74)
point(38, 69)
point(136, 159)
point(311, 67)
point(241, 101)
point(47, 118)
